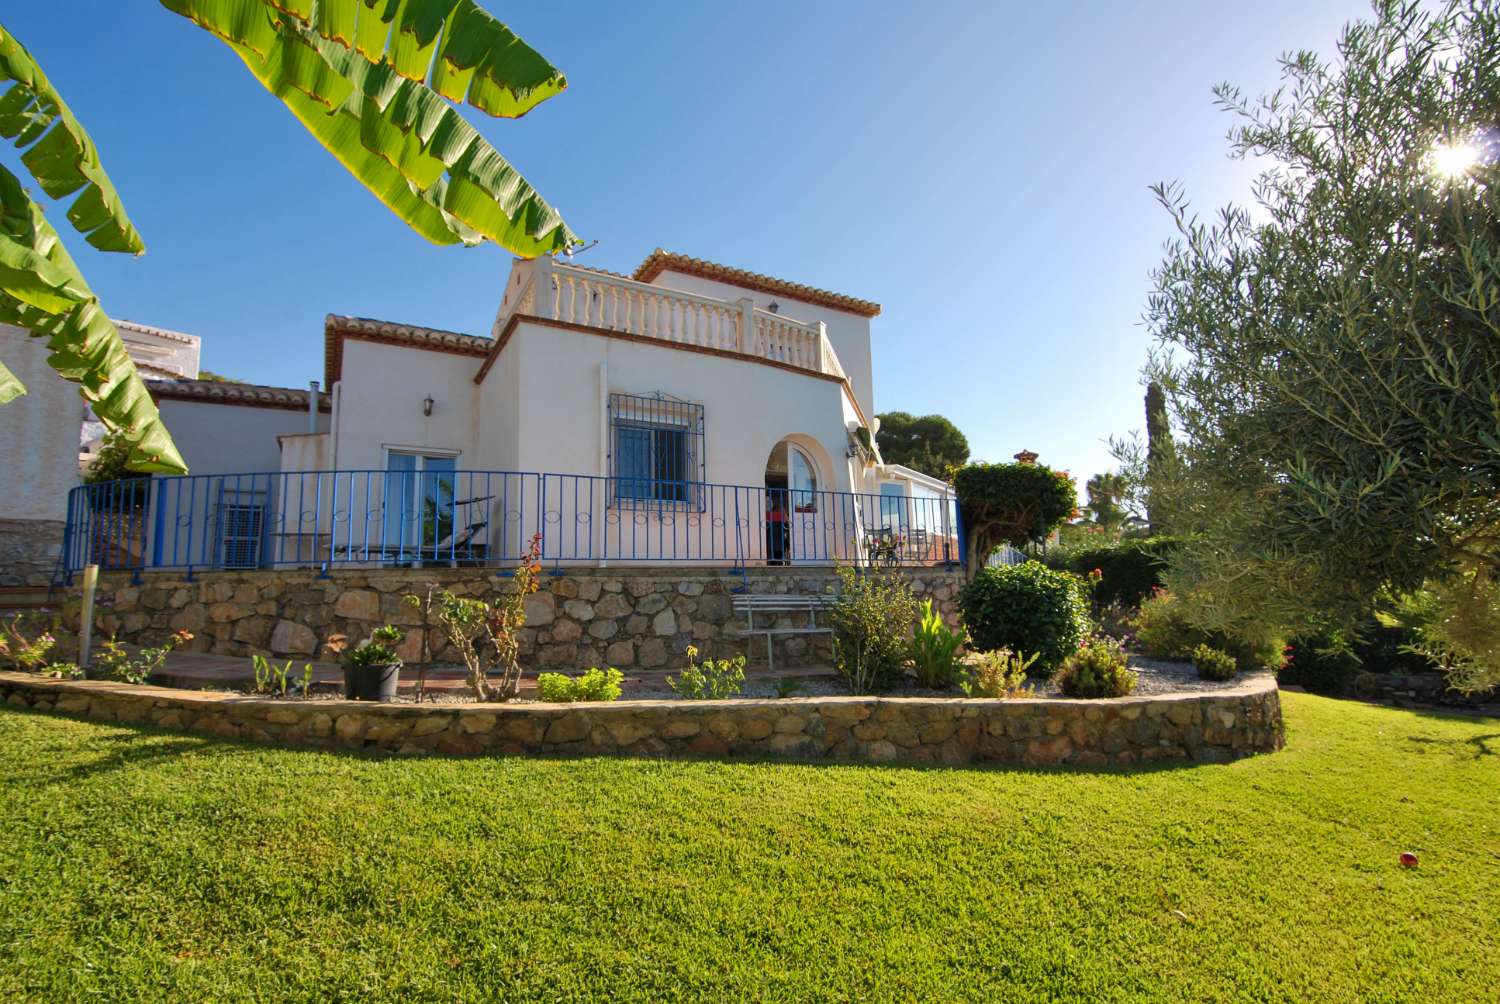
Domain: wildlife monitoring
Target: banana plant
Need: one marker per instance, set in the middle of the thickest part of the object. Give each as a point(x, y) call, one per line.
point(372, 80)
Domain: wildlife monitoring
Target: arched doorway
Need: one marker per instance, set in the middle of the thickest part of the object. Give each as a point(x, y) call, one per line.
point(794, 501)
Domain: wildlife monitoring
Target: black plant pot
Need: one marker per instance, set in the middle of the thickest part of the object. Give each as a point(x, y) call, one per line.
point(371, 683)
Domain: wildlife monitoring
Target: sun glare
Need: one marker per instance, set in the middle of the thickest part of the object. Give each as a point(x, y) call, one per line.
point(1454, 160)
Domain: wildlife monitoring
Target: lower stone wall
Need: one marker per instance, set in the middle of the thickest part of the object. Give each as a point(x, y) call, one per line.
point(1216, 726)
point(628, 618)
point(29, 550)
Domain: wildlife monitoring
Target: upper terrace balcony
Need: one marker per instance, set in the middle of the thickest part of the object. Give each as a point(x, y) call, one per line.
point(567, 293)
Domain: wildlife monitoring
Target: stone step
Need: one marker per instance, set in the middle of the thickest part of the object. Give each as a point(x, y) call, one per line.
point(21, 598)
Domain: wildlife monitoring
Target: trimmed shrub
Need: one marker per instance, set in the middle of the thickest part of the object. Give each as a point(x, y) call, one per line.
point(1131, 568)
point(1028, 609)
point(871, 624)
point(1098, 669)
point(1213, 664)
point(593, 685)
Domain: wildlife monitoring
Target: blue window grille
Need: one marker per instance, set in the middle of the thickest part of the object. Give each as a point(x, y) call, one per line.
point(656, 451)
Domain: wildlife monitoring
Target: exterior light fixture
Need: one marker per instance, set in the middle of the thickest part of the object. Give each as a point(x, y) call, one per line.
point(427, 403)
point(775, 307)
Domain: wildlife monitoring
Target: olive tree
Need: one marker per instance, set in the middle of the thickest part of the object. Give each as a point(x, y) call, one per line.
point(1331, 356)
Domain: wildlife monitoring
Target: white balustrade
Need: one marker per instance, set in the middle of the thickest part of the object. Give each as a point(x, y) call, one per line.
point(580, 296)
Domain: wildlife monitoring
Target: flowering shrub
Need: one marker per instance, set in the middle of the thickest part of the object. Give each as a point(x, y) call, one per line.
point(1097, 669)
point(1025, 608)
point(593, 685)
point(19, 652)
point(113, 662)
point(709, 680)
point(485, 633)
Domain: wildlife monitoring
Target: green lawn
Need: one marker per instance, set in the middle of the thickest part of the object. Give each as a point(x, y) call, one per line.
point(144, 865)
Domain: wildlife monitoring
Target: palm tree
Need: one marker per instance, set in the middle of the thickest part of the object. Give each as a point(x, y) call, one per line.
point(373, 81)
point(1105, 492)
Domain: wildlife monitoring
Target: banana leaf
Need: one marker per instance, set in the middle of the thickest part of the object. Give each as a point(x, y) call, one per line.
point(58, 152)
point(42, 291)
point(368, 79)
point(10, 385)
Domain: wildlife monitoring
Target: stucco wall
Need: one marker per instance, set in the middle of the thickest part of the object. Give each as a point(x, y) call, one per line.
point(229, 438)
point(380, 404)
point(748, 408)
point(848, 333)
point(38, 433)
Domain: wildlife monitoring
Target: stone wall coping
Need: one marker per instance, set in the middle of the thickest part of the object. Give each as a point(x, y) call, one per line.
point(674, 571)
point(1252, 684)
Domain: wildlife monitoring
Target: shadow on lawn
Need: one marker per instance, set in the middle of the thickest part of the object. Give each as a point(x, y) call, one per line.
point(1478, 746)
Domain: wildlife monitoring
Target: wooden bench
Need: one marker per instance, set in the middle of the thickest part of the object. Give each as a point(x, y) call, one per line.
point(770, 605)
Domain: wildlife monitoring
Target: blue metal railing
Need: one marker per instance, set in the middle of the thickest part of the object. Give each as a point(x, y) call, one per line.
point(371, 518)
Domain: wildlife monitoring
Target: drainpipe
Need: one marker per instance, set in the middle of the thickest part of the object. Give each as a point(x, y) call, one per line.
point(333, 424)
point(312, 407)
point(604, 448)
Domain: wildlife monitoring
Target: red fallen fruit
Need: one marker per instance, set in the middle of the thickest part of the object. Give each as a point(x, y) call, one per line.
point(1408, 859)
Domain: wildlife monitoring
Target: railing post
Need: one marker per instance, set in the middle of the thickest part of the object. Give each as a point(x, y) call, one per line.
point(547, 298)
point(744, 338)
point(823, 366)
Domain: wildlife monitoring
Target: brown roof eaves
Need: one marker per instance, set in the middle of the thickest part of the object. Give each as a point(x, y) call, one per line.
point(336, 328)
point(660, 261)
point(245, 395)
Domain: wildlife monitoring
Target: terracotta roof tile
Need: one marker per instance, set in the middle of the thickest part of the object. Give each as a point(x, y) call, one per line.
point(660, 261)
point(244, 394)
point(336, 328)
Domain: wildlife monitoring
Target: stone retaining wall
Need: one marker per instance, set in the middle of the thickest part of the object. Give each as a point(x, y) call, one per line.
point(29, 550)
point(1242, 719)
point(629, 618)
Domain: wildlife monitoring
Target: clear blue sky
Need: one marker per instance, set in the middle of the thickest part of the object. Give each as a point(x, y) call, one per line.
point(978, 168)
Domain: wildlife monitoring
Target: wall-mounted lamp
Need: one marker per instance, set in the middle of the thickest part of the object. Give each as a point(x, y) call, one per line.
point(427, 406)
point(775, 307)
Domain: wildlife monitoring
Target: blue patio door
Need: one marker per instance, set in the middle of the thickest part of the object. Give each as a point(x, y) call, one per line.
point(418, 510)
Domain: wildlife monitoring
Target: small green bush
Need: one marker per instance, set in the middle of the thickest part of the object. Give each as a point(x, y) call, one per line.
point(592, 685)
point(872, 624)
point(1000, 673)
point(1213, 664)
point(1025, 608)
point(710, 680)
point(934, 649)
point(1098, 669)
point(1163, 630)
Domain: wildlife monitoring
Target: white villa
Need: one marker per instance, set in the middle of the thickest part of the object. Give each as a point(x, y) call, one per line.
point(691, 412)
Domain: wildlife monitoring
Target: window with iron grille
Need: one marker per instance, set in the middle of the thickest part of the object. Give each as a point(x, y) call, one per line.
point(240, 525)
point(656, 450)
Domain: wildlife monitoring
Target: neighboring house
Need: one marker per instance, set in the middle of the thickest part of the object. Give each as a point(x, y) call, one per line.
point(48, 435)
point(690, 412)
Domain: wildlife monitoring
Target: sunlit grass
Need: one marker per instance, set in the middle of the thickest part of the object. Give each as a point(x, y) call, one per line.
point(144, 865)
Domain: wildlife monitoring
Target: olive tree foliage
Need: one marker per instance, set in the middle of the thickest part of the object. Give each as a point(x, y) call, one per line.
point(1016, 504)
point(927, 443)
point(1331, 358)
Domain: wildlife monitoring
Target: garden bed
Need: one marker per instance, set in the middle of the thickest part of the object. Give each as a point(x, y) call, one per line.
point(1233, 720)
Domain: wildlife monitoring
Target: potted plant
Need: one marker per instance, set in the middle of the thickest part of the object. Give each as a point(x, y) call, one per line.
point(372, 668)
